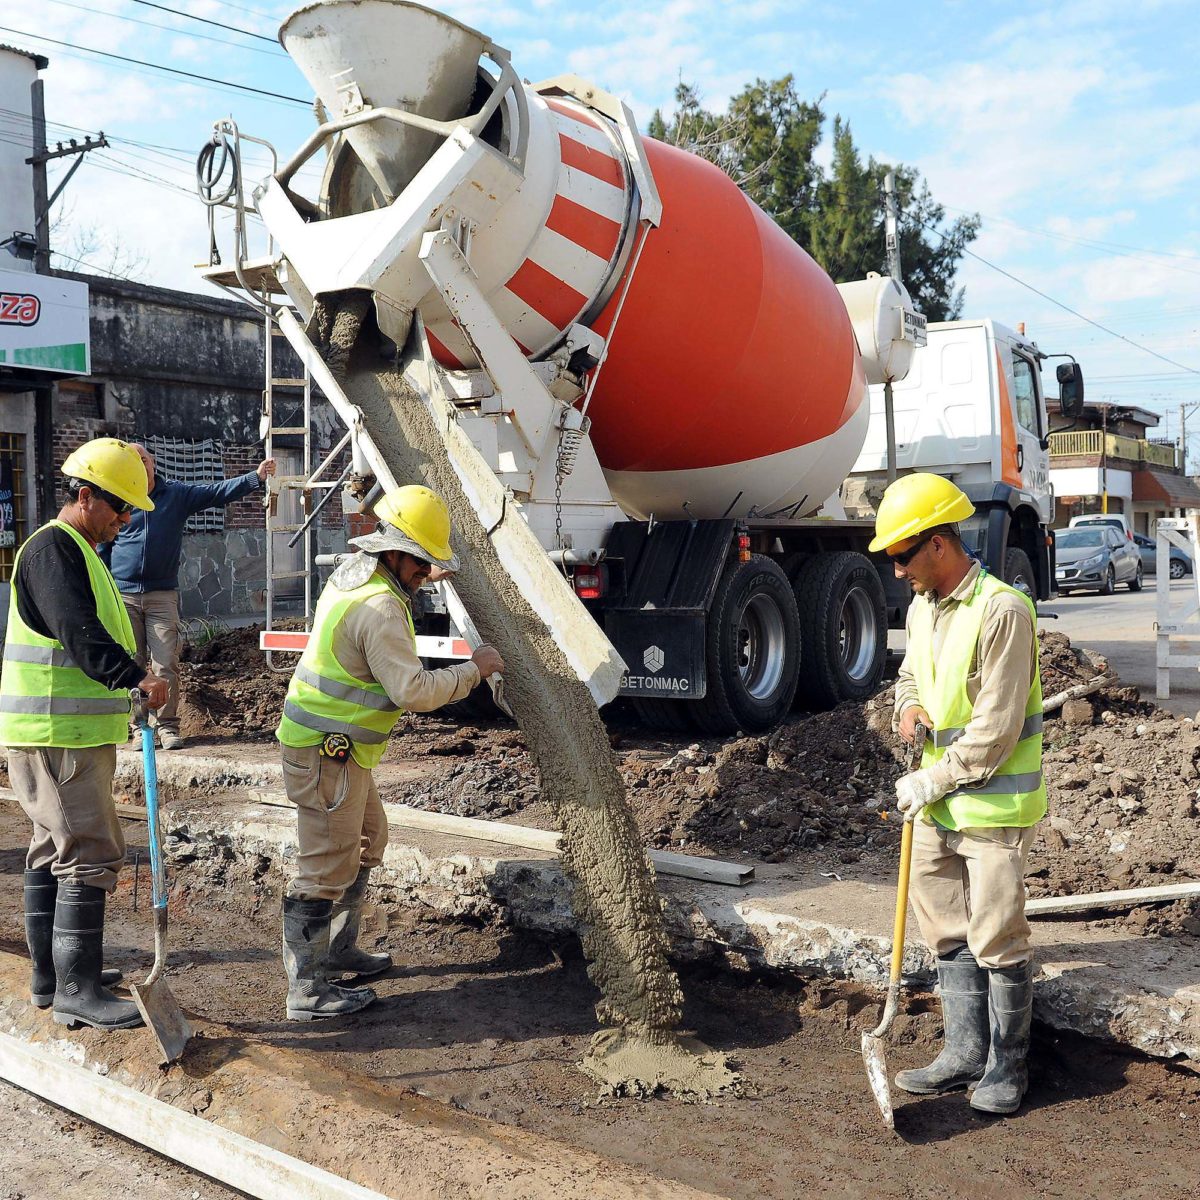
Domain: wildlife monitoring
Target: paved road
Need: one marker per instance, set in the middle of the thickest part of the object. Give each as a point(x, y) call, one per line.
point(1121, 627)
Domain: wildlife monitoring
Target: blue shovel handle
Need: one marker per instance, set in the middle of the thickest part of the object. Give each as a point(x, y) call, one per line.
point(158, 875)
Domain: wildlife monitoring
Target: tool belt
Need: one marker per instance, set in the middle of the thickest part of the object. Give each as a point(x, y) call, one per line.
point(336, 746)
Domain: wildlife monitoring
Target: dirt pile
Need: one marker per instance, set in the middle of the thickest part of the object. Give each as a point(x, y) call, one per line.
point(1123, 776)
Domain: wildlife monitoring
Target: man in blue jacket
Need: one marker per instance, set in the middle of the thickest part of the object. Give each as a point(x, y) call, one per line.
point(144, 561)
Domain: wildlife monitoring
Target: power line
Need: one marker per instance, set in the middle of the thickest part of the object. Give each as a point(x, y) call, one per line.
point(1065, 307)
point(205, 37)
point(241, 87)
point(206, 21)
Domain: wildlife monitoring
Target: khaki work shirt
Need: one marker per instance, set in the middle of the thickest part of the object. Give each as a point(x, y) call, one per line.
point(374, 642)
point(1002, 672)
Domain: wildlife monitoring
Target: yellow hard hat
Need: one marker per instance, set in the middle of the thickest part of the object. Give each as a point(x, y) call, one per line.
point(113, 465)
point(422, 521)
point(915, 503)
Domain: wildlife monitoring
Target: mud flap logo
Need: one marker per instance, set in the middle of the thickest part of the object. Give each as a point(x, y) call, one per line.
point(17, 308)
point(654, 659)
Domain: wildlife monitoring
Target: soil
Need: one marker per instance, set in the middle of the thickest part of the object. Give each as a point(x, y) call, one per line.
point(493, 1023)
point(1123, 777)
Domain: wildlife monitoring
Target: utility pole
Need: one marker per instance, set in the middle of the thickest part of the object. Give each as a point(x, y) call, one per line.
point(1104, 458)
point(43, 393)
point(42, 154)
point(892, 245)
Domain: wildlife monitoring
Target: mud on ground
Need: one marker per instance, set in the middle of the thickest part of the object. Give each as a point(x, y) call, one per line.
point(1123, 777)
point(491, 1022)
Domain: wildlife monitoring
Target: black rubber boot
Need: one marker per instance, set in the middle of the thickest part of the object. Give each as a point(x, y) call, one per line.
point(964, 987)
point(1010, 1006)
point(305, 953)
point(78, 948)
point(345, 957)
point(41, 891)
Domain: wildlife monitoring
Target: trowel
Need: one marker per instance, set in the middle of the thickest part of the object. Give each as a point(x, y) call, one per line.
point(873, 1049)
point(153, 996)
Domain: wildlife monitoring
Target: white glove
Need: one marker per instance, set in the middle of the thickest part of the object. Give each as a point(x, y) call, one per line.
point(914, 792)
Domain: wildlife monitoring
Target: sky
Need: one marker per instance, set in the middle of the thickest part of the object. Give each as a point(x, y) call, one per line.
point(1072, 128)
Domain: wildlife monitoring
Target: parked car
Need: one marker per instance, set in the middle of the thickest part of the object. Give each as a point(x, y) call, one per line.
point(1096, 557)
point(1116, 520)
point(1181, 563)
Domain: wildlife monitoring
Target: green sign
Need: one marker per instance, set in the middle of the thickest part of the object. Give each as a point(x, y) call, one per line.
point(44, 324)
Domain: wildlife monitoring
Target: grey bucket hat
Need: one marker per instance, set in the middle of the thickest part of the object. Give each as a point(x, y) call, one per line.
point(388, 537)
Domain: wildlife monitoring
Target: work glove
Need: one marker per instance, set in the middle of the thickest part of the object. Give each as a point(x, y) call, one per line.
point(916, 791)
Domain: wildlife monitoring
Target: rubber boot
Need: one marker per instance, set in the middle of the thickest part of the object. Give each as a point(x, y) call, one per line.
point(305, 952)
point(41, 891)
point(345, 957)
point(78, 948)
point(1010, 1005)
point(964, 987)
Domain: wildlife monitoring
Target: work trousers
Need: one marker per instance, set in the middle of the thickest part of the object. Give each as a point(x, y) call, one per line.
point(155, 619)
point(340, 823)
point(968, 889)
point(67, 793)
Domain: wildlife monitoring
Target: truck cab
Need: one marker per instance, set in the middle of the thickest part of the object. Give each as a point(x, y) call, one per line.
point(973, 408)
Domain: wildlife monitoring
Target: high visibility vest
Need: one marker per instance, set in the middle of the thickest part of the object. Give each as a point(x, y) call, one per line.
point(324, 698)
point(1016, 794)
point(45, 698)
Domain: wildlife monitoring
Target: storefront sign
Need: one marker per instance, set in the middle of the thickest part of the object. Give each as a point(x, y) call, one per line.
point(44, 324)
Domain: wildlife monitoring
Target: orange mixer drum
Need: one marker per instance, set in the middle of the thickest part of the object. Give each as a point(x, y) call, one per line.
point(733, 381)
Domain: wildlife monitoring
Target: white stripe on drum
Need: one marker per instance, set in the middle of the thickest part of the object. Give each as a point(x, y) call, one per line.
point(566, 260)
point(592, 193)
point(525, 324)
point(589, 135)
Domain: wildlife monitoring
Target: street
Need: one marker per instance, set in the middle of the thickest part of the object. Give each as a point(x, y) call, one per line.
point(1121, 627)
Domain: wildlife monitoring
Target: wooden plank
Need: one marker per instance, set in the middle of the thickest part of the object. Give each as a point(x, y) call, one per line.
point(218, 1153)
point(134, 812)
point(1128, 898)
point(683, 866)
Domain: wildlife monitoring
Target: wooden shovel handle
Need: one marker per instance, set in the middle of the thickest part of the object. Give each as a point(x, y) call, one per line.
point(901, 922)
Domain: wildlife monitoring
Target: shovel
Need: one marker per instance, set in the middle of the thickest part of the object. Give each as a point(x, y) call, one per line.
point(154, 998)
point(873, 1049)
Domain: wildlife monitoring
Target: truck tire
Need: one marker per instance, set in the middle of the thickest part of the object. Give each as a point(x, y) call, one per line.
point(752, 650)
point(1018, 572)
point(671, 716)
point(843, 629)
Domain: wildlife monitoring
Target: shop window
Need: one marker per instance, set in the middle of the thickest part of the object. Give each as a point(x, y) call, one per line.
point(12, 500)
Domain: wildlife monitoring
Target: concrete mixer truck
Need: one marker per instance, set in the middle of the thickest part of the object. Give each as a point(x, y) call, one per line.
point(647, 389)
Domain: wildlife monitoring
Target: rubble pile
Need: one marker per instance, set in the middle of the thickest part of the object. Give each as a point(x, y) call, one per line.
point(1123, 776)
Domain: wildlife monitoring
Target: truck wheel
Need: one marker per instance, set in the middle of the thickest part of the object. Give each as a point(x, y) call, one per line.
point(673, 716)
point(843, 629)
point(752, 650)
point(1018, 572)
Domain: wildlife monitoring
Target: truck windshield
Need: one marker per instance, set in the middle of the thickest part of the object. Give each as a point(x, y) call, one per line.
point(1079, 537)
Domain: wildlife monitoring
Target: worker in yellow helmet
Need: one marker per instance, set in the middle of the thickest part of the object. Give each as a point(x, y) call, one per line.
point(358, 675)
point(69, 666)
point(970, 675)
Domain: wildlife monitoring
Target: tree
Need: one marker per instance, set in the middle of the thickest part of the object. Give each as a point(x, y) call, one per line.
point(766, 142)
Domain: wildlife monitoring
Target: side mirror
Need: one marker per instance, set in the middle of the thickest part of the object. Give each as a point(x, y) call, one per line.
point(1070, 389)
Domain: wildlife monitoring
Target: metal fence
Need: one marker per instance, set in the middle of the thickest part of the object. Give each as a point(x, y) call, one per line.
point(1087, 443)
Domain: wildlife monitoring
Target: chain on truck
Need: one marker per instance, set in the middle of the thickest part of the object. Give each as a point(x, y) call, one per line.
point(623, 349)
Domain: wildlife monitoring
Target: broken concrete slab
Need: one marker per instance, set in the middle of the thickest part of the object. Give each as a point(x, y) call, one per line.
point(1141, 992)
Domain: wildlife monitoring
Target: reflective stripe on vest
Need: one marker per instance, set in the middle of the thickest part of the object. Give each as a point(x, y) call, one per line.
point(1015, 795)
point(944, 738)
point(323, 697)
point(45, 697)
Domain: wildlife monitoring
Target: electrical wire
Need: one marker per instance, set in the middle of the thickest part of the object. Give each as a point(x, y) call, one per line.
point(206, 21)
point(241, 87)
point(205, 37)
point(1065, 307)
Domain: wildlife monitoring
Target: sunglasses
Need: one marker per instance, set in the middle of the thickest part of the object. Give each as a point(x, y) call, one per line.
point(906, 556)
point(119, 506)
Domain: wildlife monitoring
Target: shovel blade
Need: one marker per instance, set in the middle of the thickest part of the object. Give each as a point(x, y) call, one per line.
point(875, 1060)
point(164, 1018)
